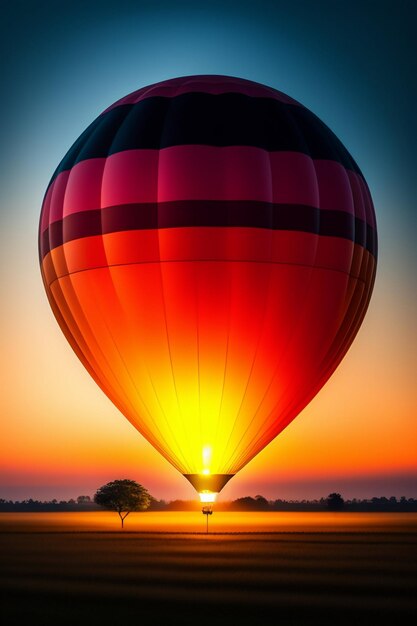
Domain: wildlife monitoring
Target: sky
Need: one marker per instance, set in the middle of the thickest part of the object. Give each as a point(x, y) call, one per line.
point(354, 65)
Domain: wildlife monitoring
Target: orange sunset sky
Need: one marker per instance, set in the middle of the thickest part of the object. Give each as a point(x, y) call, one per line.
point(59, 435)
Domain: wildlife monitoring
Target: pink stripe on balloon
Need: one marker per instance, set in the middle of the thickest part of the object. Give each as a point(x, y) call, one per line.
point(83, 192)
point(58, 190)
point(207, 173)
point(46, 209)
point(212, 173)
point(334, 186)
point(130, 176)
point(294, 178)
point(204, 84)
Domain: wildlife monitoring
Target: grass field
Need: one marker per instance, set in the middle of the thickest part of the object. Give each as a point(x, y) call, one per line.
point(284, 568)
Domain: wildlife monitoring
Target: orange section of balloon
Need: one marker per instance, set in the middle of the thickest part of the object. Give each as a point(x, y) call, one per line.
point(208, 248)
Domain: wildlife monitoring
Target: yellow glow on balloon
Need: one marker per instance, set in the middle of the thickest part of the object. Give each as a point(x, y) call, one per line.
point(207, 453)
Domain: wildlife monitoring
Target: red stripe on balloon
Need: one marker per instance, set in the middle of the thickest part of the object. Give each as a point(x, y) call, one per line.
point(205, 244)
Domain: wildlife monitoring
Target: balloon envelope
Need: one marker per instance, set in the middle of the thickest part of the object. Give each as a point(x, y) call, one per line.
point(208, 247)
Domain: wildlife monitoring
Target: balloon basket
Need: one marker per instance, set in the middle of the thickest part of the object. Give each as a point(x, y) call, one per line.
point(207, 510)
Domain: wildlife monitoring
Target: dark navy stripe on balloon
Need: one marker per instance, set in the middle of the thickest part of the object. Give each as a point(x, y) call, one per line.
point(202, 213)
point(229, 119)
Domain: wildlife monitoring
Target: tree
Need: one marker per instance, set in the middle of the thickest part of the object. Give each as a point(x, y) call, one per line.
point(335, 502)
point(123, 496)
point(83, 500)
point(261, 503)
point(246, 503)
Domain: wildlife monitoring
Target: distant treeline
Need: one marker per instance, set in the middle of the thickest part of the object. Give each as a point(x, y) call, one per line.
point(259, 503)
point(333, 502)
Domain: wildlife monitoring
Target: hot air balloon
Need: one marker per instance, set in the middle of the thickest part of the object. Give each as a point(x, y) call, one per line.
point(208, 247)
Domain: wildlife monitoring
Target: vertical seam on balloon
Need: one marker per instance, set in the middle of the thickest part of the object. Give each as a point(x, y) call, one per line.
point(149, 436)
point(75, 343)
point(109, 271)
point(365, 261)
point(322, 367)
point(363, 189)
point(40, 232)
point(294, 331)
point(176, 89)
point(302, 313)
point(367, 206)
point(293, 409)
point(59, 171)
point(61, 214)
point(83, 352)
point(226, 362)
point(327, 357)
point(70, 283)
point(261, 330)
point(202, 443)
point(163, 299)
point(88, 326)
point(244, 457)
point(249, 425)
point(364, 292)
point(143, 428)
point(186, 465)
point(277, 427)
point(225, 367)
point(72, 289)
point(117, 131)
point(347, 333)
point(171, 458)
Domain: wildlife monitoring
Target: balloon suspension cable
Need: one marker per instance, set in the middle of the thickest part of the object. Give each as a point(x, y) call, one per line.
point(207, 510)
point(207, 499)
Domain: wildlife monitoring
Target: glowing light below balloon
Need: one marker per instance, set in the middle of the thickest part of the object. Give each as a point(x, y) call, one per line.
point(208, 497)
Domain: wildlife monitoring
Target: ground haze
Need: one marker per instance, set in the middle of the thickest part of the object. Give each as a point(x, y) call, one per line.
point(296, 568)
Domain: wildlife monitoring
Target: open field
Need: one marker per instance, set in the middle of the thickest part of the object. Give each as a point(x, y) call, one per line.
point(289, 568)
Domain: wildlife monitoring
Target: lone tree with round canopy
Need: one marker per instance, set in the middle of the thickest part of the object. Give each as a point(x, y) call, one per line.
point(335, 502)
point(123, 496)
